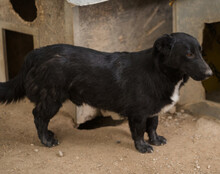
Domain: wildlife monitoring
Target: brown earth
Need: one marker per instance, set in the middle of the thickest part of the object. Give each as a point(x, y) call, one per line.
point(193, 146)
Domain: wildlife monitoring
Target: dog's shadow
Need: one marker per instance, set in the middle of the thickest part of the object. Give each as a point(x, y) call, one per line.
point(117, 135)
point(99, 122)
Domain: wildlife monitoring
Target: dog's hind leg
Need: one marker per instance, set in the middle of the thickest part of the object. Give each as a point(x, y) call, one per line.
point(138, 127)
point(151, 126)
point(43, 112)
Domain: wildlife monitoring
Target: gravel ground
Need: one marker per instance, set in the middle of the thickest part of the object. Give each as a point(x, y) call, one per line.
point(193, 146)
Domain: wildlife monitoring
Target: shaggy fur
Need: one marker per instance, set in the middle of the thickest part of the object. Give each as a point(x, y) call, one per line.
point(136, 85)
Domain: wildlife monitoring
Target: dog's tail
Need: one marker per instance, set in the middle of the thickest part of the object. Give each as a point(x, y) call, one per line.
point(12, 90)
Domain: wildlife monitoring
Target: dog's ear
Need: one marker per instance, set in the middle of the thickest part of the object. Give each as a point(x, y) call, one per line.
point(164, 44)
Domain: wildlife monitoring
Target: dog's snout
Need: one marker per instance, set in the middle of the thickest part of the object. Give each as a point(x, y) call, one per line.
point(208, 73)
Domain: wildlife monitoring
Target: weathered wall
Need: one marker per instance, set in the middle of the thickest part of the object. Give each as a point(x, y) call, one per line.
point(190, 16)
point(52, 25)
point(122, 25)
point(49, 22)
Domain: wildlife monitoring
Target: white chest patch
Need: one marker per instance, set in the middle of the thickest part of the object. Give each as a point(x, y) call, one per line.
point(174, 97)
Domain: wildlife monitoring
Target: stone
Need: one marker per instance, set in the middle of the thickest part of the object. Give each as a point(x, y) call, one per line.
point(172, 110)
point(205, 107)
point(60, 154)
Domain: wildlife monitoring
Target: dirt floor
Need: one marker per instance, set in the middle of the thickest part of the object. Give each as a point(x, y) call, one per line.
point(193, 146)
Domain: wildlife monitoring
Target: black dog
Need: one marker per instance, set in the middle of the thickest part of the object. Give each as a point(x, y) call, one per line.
point(137, 85)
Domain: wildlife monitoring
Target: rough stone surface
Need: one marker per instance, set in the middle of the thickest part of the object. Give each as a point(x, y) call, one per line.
point(204, 107)
point(51, 25)
point(49, 21)
point(122, 25)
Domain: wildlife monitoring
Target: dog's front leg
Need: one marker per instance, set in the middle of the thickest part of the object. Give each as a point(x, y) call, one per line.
point(138, 127)
point(151, 126)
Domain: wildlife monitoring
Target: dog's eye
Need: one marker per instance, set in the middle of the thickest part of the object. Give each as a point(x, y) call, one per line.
point(190, 55)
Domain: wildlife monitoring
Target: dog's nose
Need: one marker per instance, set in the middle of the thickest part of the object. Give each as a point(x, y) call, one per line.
point(208, 73)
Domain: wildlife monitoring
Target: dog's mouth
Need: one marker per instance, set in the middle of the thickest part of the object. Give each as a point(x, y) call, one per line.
point(202, 76)
point(197, 69)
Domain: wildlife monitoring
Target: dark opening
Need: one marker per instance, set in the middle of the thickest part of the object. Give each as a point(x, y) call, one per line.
point(26, 9)
point(17, 46)
point(100, 121)
point(211, 53)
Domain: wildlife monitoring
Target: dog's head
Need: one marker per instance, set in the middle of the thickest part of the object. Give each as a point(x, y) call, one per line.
point(182, 52)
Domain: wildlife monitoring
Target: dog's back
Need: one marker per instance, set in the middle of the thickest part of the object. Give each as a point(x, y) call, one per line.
point(100, 79)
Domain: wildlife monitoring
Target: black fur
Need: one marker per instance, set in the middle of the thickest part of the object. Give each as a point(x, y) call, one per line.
point(136, 85)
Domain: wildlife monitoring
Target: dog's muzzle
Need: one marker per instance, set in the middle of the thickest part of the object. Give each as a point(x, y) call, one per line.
point(208, 73)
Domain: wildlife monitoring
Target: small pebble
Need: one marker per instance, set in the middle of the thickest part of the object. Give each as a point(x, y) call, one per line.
point(36, 150)
point(208, 167)
point(32, 144)
point(170, 117)
point(178, 114)
point(120, 38)
point(118, 141)
point(60, 154)
point(172, 110)
point(182, 111)
point(77, 157)
point(115, 163)
point(99, 165)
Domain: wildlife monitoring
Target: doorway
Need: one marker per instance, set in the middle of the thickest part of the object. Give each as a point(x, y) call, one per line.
point(17, 45)
point(211, 54)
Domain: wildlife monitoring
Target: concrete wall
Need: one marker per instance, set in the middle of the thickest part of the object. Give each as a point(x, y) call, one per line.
point(190, 17)
point(122, 25)
point(52, 25)
point(49, 22)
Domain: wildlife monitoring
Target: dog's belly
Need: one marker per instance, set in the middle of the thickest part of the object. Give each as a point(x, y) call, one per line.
point(87, 112)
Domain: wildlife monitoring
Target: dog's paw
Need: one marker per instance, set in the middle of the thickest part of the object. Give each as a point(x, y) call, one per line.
point(158, 141)
point(48, 139)
point(143, 147)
